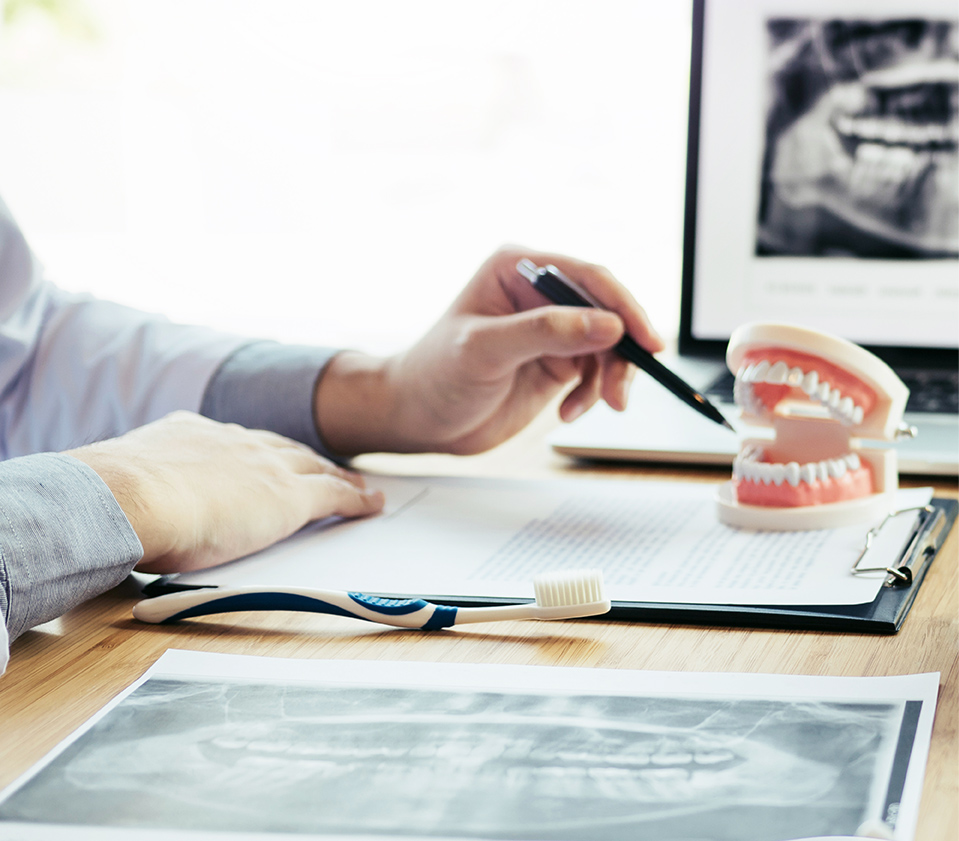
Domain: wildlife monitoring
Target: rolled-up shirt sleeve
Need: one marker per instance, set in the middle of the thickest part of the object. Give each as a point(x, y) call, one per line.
point(267, 385)
point(75, 369)
point(63, 539)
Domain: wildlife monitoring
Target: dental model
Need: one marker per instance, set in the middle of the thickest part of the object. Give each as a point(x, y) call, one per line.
point(823, 398)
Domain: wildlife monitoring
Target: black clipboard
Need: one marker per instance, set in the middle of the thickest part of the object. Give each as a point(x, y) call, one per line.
point(884, 615)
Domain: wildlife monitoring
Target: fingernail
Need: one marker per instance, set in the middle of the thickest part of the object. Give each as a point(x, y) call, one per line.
point(375, 500)
point(574, 412)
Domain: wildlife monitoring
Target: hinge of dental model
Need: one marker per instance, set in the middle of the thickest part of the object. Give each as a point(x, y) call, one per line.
point(905, 431)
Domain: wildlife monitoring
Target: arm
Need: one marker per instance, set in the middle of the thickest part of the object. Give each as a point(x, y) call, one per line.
point(196, 492)
point(50, 562)
point(181, 493)
point(74, 369)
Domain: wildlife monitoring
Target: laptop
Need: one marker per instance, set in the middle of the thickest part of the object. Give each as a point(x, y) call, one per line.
point(821, 190)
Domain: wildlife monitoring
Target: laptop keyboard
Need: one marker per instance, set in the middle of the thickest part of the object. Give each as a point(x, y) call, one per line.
point(932, 391)
point(929, 390)
point(720, 390)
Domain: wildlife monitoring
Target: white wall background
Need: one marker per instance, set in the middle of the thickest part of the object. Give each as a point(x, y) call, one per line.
point(333, 172)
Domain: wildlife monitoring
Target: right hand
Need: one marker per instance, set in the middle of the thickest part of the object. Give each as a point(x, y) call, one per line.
point(498, 356)
point(200, 493)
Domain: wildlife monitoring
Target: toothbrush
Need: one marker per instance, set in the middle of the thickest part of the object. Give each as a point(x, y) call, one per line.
point(559, 595)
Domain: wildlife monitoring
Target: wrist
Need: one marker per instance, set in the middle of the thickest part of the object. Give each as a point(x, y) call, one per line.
point(355, 405)
point(130, 488)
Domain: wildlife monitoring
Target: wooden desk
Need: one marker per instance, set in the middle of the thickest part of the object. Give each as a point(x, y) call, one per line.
point(63, 672)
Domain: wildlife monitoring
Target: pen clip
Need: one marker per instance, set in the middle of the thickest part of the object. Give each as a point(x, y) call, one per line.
point(528, 269)
point(566, 290)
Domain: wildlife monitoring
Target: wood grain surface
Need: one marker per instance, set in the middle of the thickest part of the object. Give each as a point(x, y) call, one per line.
point(63, 672)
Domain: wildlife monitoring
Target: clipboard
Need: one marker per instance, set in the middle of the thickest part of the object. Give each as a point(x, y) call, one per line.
point(884, 615)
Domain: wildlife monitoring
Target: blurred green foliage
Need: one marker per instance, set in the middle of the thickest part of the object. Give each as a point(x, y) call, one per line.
point(73, 18)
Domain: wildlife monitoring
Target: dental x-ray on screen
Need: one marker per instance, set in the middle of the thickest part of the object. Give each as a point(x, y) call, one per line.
point(860, 139)
point(822, 190)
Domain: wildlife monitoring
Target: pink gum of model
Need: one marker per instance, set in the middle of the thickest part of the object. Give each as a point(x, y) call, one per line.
point(819, 400)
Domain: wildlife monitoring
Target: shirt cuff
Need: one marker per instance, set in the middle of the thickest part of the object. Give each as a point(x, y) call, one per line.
point(63, 539)
point(268, 385)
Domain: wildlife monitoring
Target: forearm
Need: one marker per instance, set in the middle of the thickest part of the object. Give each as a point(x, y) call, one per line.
point(340, 403)
point(74, 369)
point(357, 409)
point(63, 539)
point(372, 404)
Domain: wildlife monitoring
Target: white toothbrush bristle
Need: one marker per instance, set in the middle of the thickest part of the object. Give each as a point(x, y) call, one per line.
point(569, 587)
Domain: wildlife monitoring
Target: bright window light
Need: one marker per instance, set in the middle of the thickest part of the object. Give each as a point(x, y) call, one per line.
point(331, 172)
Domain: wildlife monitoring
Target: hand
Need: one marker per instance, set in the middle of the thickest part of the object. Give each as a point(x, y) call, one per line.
point(491, 363)
point(200, 493)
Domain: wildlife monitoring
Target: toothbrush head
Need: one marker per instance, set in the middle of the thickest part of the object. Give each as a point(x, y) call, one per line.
point(570, 593)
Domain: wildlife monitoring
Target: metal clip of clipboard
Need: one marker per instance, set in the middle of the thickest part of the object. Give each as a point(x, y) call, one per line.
point(922, 546)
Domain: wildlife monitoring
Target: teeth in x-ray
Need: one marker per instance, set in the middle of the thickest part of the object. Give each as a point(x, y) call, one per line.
point(884, 172)
point(894, 132)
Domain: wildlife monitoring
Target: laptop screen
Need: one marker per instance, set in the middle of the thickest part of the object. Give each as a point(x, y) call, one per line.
point(822, 179)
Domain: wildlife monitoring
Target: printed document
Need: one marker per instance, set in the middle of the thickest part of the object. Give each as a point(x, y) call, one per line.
point(488, 538)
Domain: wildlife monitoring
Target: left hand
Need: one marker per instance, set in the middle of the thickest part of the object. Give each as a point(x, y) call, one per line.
point(200, 493)
point(493, 361)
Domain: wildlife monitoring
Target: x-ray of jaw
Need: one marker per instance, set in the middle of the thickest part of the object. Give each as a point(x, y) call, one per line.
point(861, 138)
point(239, 756)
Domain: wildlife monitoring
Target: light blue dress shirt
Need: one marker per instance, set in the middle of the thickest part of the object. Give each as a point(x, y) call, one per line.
point(74, 370)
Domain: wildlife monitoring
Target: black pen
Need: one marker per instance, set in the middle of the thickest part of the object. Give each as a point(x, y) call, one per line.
point(552, 283)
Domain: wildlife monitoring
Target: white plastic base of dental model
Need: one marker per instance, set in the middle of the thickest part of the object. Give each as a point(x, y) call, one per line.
point(830, 515)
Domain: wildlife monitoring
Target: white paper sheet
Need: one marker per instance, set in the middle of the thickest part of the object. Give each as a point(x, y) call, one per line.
point(279, 748)
point(654, 541)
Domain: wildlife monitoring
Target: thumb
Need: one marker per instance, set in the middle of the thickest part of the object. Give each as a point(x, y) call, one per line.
point(512, 340)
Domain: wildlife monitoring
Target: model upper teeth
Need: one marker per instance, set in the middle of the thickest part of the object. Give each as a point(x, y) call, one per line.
point(840, 407)
point(749, 467)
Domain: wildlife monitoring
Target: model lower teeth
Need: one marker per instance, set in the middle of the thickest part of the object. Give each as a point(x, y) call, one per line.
point(749, 466)
point(765, 483)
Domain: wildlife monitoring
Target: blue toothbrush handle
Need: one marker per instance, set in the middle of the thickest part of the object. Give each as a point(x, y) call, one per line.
point(402, 613)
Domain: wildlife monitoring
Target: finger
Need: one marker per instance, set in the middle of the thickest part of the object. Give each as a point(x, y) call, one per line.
point(585, 395)
point(306, 461)
point(503, 343)
point(598, 281)
point(617, 376)
point(334, 496)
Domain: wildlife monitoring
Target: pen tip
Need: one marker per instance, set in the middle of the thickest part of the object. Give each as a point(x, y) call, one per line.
point(728, 425)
